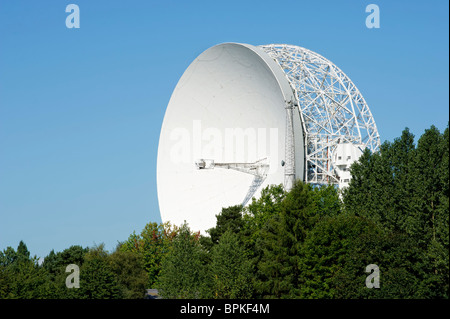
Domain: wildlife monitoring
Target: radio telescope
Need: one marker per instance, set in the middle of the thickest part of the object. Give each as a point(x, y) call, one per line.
point(243, 117)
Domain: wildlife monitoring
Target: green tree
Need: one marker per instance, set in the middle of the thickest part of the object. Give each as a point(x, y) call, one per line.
point(230, 218)
point(230, 268)
point(8, 256)
point(56, 263)
point(404, 190)
point(260, 211)
point(97, 278)
point(183, 273)
point(21, 276)
point(325, 251)
point(431, 214)
point(403, 273)
point(280, 242)
point(260, 222)
point(371, 191)
point(327, 201)
point(152, 244)
point(130, 273)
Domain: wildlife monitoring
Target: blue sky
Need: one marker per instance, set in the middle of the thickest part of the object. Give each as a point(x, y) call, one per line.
point(81, 109)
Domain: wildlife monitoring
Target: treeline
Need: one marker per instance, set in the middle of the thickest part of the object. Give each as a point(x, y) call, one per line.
point(311, 242)
point(103, 275)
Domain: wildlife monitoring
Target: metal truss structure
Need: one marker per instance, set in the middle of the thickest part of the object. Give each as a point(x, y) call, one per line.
point(258, 169)
point(331, 108)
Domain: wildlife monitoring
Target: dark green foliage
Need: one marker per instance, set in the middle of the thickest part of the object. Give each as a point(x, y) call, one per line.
point(131, 276)
point(229, 219)
point(261, 210)
point(404, 190)
point(403, 274)
point(22, 252)
point(8, 257)
point(326, 249)
point(280, 244)
point(56, 263)
point(102, 275)
point(327, 202)
point(21, 276)
point(183, 273)
point(338, 250)
point(153, 245)
point(97, 279)
point(230, 268)
point(310, 242)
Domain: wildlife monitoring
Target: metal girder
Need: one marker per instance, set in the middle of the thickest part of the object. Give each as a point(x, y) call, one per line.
point(332, 109)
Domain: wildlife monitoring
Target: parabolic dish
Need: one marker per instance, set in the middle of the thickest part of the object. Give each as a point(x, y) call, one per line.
point(243, 117)
point(229, 107)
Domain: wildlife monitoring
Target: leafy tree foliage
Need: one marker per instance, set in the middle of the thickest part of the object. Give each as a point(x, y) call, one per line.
point(230, 268)
point(282, 236)
point(183, 273)
point(21, 276)
point(403, 273)
point(261, 210)
point(56, 263)
point(310, 242)
point(152, 244)
point(326, 250)
point(102, 275)
point(97, 279)
point(229, 219)
point(404, 190)
point(131, 276)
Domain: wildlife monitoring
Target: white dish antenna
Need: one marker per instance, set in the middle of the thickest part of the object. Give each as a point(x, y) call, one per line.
point(238, 120)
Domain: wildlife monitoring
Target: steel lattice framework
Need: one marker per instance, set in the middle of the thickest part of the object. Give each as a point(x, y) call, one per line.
point(331, 108)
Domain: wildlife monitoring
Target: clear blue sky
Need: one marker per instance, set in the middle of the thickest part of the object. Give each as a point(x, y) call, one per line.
point(81, 109)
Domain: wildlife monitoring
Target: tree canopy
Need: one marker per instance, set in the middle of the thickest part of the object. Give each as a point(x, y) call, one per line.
point(310, 242)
